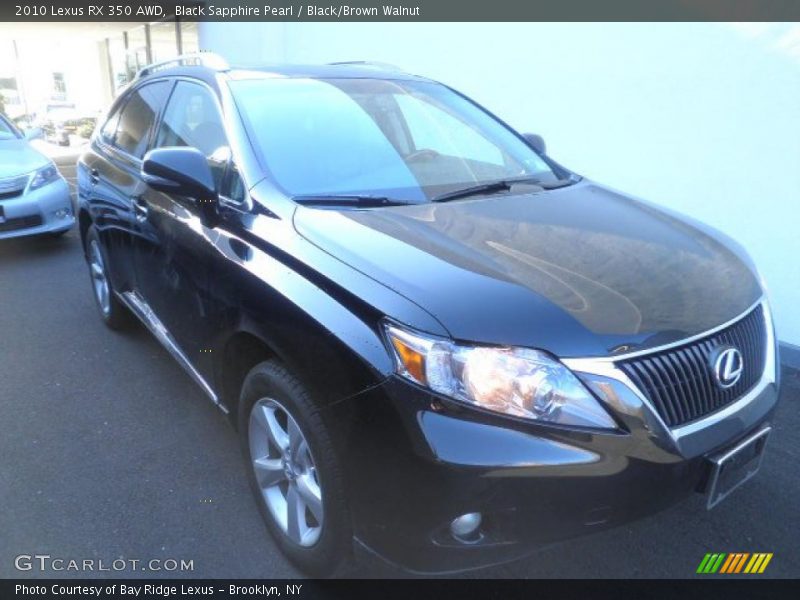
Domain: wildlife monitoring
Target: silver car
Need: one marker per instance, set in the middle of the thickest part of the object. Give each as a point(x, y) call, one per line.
point(34, 197)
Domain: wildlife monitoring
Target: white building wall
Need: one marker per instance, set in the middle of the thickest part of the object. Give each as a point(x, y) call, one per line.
point(703, 118)
point(78, 59)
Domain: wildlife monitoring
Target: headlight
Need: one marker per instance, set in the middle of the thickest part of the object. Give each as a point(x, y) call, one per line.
point(43, 176)
point(514, 381)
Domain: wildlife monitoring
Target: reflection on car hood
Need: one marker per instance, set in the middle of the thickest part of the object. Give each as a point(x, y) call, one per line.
point(17, 157)
point(579, 271)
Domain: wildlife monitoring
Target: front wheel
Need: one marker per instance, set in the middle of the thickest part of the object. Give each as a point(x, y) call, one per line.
point(293, 470)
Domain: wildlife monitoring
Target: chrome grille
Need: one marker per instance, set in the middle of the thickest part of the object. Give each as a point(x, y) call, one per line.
point(680, 382)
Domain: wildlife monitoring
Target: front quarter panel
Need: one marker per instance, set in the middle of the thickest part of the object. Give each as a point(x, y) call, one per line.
point(316, 314)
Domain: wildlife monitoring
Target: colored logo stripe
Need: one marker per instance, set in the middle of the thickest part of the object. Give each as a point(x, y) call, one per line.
point(734, 562)
point(711, 563)
point(729, 562)
point(758, 563)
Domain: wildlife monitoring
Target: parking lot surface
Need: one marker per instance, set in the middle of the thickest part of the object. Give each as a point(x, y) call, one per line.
point(110, 451)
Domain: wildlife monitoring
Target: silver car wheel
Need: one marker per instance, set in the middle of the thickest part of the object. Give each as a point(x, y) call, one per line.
point(286, 472)
point(99, 279)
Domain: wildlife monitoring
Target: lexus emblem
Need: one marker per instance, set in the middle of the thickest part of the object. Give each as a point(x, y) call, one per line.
point(727, 364)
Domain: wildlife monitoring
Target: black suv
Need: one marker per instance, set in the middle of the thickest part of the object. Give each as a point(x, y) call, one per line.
point(436, 343)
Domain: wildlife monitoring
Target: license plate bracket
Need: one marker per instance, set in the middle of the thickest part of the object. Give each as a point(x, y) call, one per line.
point(734, 466)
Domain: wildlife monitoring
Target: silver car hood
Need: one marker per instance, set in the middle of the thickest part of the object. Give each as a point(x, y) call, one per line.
point(18, 157)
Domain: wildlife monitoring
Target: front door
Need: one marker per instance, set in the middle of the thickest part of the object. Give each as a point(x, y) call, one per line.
point(177, 243)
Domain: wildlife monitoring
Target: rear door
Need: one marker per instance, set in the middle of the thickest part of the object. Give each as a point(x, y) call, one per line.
point(110, 176)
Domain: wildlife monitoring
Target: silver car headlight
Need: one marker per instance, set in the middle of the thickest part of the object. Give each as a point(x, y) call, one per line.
point(43, 176)
point(519, 382)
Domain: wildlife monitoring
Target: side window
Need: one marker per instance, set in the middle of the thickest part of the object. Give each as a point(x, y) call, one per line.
point(110, 128)
point(192, 119)
point(233, 185)
point(138, 118)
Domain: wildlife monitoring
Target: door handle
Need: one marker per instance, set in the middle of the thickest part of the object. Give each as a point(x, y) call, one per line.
point(139, 208)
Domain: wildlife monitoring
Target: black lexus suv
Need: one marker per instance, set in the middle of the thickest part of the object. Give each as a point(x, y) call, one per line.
point(436, 343)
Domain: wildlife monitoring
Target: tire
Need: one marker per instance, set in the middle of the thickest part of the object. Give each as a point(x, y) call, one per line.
point(270, 389)
point(114, 314)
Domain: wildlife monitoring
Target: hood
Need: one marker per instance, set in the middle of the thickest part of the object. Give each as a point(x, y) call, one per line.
point(17, 157)
point(579, 271)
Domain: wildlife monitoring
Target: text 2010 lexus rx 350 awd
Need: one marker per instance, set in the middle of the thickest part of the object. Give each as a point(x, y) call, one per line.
point(436, 343)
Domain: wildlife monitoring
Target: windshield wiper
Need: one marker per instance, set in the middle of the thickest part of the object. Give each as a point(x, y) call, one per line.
point(502, 185)
point(358, 200)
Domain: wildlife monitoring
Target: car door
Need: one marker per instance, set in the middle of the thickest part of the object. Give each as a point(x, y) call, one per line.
point(109, 176)
point(177, 243)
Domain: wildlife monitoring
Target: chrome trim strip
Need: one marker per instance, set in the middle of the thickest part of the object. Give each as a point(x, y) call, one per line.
point(683, 342)
point(607, 368)
point(145, 314)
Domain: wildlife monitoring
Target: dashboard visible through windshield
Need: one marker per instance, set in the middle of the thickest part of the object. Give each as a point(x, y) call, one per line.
point(407, 140)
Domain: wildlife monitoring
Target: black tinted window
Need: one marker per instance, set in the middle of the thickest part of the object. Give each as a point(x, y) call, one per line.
point(138, 118)
point(110, 128)
point(233, 185)
point(193, 119)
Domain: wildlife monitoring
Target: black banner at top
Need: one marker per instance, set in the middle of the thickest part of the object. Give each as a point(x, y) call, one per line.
point(399, 10)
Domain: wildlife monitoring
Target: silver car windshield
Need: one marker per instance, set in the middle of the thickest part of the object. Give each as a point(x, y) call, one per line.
point(7, 130)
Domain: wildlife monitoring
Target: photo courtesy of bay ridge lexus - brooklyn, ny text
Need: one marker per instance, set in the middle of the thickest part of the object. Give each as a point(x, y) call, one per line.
point(363, 292)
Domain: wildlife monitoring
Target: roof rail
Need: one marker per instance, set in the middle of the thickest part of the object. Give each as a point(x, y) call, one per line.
point(199, 59)
point(367, 63)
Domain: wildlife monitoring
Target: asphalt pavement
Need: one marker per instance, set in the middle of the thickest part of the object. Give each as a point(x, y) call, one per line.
point(109, 451)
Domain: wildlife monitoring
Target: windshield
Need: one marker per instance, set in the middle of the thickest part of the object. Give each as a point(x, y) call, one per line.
point(7, 130)
point(406, 140)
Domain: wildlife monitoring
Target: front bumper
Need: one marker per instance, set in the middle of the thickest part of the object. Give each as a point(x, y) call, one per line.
point(416, 461)
point(46, 210)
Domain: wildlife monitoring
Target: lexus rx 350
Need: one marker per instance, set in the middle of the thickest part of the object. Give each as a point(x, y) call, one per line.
point(436, 342)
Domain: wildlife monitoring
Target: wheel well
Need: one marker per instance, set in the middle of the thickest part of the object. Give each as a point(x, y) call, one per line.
point(84, 222)
point(242, 352)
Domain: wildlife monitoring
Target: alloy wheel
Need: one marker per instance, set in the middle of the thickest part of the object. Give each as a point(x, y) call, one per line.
point(286, 472)
point(99, 278)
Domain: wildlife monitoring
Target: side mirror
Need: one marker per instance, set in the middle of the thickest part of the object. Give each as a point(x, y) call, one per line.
point(536, 142)
point(180, 170)
point(33, 133)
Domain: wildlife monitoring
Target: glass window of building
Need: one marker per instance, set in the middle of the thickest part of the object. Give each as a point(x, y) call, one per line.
point(190, 39)
point(163, 41)
point(117, 63)
point(59, 86)
point(137, 55)
point(146, 44)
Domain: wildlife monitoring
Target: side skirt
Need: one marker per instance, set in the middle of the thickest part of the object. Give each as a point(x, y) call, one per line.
point(145, 314)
